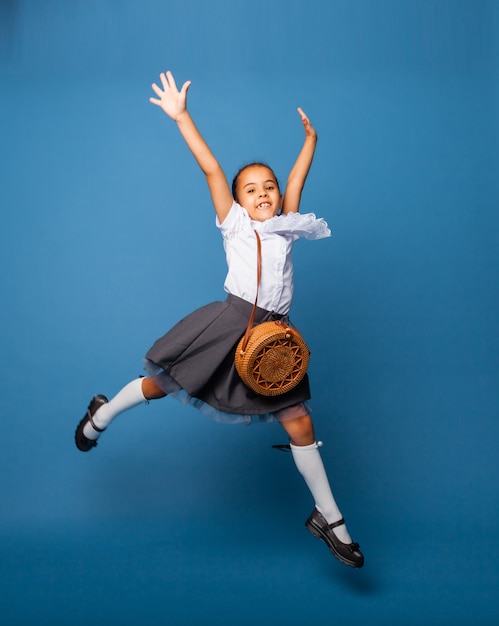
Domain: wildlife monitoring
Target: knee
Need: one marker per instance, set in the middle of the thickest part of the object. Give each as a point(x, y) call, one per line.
point(151, 390)
point(300, 430)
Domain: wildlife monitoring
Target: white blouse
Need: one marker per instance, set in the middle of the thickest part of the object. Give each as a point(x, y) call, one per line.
point(277, 235)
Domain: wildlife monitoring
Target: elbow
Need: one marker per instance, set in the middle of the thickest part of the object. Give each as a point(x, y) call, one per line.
point(213, 170)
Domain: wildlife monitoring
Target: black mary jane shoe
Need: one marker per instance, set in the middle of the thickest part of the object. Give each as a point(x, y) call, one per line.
point(84, 443)
point(347, 553)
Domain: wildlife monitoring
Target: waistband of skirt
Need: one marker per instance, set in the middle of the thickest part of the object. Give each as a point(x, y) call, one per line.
point(244, 307)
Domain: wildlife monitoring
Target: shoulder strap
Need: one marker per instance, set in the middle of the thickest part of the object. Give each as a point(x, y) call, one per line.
point(258, 277)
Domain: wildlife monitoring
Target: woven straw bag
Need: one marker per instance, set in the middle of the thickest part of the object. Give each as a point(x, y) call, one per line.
point(271, 357)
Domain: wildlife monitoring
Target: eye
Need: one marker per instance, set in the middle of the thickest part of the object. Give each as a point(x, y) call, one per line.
point(270, 187)
point(250, 190)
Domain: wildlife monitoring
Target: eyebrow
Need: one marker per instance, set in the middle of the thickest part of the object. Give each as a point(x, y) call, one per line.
point(269, 180)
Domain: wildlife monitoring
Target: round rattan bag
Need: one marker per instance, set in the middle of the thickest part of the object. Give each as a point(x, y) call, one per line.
point(274, 359)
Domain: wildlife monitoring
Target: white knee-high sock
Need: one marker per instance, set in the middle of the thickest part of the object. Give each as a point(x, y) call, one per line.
point(309, 463)
point(128, 397)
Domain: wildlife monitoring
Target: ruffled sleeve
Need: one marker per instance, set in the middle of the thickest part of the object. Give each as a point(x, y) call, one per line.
point(298, 225)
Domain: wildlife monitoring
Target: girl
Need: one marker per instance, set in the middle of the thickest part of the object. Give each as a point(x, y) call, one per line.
point(195, 360)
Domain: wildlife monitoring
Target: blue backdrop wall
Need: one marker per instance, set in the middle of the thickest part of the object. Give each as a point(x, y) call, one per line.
point(108, 238)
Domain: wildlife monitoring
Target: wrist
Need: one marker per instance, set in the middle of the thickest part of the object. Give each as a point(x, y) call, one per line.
point(182, 116)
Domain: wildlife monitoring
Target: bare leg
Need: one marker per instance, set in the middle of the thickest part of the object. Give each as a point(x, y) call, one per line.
point(300, 430)
point(151, 390)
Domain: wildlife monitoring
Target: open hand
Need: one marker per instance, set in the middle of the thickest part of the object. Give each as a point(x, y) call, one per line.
point(309, 129)
point(170, 99)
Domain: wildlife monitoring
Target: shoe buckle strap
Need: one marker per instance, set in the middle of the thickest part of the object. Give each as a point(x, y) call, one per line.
point(336, 524)
point(94, 426)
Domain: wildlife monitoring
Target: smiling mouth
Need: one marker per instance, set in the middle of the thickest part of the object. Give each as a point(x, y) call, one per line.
point(263, 205)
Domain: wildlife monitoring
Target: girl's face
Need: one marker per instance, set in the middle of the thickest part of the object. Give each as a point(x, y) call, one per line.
point(258, 192)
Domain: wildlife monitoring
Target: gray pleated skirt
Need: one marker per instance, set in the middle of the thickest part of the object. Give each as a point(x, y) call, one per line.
point(194, 362)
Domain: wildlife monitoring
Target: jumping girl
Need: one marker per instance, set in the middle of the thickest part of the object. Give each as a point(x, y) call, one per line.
point(194, 361)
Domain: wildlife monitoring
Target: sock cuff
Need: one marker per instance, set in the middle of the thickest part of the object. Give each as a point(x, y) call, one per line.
point(312, 446)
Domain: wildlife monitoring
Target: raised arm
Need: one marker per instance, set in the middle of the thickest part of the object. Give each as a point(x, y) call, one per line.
point(299, 171)
point(174, 104)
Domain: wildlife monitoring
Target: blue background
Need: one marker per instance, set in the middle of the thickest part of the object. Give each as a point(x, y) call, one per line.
point(107, 238)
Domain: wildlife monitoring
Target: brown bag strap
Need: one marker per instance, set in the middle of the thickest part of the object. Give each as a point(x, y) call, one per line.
point(258, 277)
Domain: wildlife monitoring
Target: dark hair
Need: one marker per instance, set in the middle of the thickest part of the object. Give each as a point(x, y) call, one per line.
point(245, 167)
